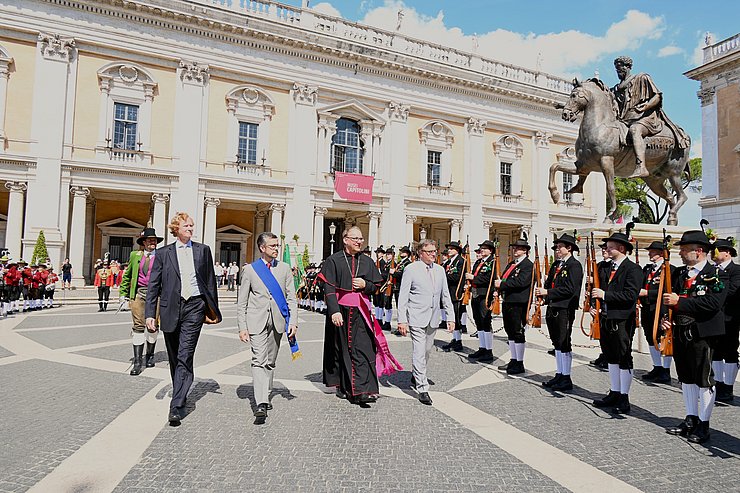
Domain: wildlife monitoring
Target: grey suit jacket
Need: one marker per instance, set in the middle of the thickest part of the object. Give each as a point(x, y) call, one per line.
point(256, 306)
point(421, 294)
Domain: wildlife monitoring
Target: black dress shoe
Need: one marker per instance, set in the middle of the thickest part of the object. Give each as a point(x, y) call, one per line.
point(507, 365)
point(516, 369)
point(261, 411)
point(685, 427)
point(463, 329)
point(726, 394)
point(269, 406)
point(487, 357)
point(551, 352)
point(563, 385)
point(700, 433)
point(623, 404)
point(610, 399)
point(174, 417)
point(664, 376)
point(425, 399)
point(474, 334)
point(452, 346)
point(652, 374)
point(553, 380)
point(479, 353)
point(340, 393)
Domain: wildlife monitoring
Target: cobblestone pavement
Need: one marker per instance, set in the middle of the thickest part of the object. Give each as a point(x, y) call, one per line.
point(74, 420)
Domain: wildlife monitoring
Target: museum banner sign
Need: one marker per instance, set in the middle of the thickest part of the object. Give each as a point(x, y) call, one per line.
point(353, 187)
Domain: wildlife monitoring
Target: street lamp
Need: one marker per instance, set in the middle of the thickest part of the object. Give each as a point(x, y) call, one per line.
point(332, 232)
point(422, 233)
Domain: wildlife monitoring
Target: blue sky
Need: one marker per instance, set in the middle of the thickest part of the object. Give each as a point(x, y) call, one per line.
point(573, 38)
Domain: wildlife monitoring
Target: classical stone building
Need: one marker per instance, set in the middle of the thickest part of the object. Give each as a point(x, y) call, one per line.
point(114, 113)
point(719, 75)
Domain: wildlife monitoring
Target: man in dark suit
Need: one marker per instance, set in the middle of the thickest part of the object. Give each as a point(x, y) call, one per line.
point(481, 298)
point(561, 293)
point(454, 268)
point(619, 291)
point(515, 286)
point(725, 358)
point(699, 293)
point(183, 281)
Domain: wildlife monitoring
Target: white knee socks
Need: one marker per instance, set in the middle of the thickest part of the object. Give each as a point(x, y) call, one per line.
point(625, 381)
point(667, 360)
point(512, 349)
point(567, 359)
point(558, 362)
point(655, 356)
point(457, 335)
point(706, 402)
point(519, 350)
point(730, 373)
point(614, 378)
point(719, 370)
point(691, 398)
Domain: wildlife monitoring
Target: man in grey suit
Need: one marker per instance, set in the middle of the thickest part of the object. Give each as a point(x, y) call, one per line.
point(423, 287)
point(260, 319)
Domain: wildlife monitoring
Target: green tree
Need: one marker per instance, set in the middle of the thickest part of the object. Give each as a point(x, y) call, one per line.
point(306, 256)
point(40, 253)
point(634, 192)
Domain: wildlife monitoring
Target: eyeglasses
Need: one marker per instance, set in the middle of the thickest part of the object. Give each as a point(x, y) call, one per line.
point(273, 246)
point(429, 251)
point(355, 238)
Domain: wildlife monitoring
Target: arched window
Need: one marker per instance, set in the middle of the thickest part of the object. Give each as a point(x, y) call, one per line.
point(347, 149)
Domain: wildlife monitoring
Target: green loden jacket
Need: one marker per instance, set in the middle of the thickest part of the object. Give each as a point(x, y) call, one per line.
point(131, 276)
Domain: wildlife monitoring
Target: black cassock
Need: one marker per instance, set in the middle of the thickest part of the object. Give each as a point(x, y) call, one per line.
point(349, 351)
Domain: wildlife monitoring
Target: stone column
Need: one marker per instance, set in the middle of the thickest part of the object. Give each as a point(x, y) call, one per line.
point(373, 239)
point(474, 155)
point(318, 233)
point(455, 225)
point(14, 231)
point(709, 144)
point(276, 219)
point(5, 63)
point(541, 194)
point(209, 228)
point(396, 137)
point(159, 216)
point(77, 233)
point(409, 237)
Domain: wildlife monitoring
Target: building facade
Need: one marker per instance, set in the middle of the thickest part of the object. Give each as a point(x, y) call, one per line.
point(719, 93)
point(240, 112)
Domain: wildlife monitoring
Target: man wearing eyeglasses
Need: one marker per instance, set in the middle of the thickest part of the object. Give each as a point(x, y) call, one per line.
point(423, 291)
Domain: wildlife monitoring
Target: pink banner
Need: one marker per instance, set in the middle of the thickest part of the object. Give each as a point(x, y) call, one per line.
point(353, 187)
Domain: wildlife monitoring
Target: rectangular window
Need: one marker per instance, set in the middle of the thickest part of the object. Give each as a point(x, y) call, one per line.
point(346, 148)
point(434, 166)
point(247, 152)
point(567, 185)
point(120, 247)
point(125, 120)
point(505, 178)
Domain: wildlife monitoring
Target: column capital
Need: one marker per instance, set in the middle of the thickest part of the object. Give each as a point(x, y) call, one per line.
point(212, 202)
point(160, 198)
point(305, 94)
point(456, 222)
point(487, 224)
point(374, 215)
point(476, 126)
point(260, 213)
point(411, 219)
point(56, 47)
point(277, 207)
point(194, 72)
point(706, 95)
point(542, 139)
point(320, 211)
point(398, 112)
point(16, 186)
point(79, 191)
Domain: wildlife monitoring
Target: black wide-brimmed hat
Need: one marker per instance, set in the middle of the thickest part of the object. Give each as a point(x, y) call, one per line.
point(521, 242)
point(488, 244)
point(404, 249)
point(694, 237)
point(380, 249)
point(726, 244)
point(391, 250)
point(366, 249)
point(656, 245)
point(568, 240)
point(148, 233)
point(456, 245)
point(622, 238)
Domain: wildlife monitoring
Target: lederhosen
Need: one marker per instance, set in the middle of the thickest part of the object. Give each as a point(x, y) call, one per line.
point(482, 271)
point(619, 320)
point(515, 288)
point(454, 270)
point(564, 289)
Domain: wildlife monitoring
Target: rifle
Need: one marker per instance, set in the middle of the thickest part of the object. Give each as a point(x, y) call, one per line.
point(536, 320)
point(596, 321)
point(467, 268)
point(638, 306)
point(589, 287)
point(391, 280)
point(664, 341)
point(496, 303)
point(546, 259)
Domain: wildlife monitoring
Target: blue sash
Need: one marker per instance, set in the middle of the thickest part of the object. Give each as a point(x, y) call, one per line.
point(276, 291)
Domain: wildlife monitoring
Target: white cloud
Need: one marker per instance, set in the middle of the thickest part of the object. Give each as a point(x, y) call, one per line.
point(695, 148)
point(564, 52)
point(697, 57)
point(326, 8)
point(669, 50)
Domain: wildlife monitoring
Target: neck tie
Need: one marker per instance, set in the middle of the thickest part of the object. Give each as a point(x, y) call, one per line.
point(186, 269)
point(614, 271)
point(146, 263)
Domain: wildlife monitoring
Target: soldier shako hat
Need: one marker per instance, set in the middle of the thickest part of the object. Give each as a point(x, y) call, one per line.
point(656, 245)
point(488, 244)
point(405, 249)
point(568, 240)
point(694, 237)
point(726, 244)
point(148, 233)
point(622, 238)
point(456, 245)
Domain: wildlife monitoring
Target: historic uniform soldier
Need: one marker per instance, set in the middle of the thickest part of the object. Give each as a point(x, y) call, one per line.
point(561, 293)
point(619, 292)
point(481, 280)
point(12, 278)
point(515, 286)
point(397, 272)
point(33, 290)
point(103, 281)
point(387, 301)
point(603, 268)
point(725, 361)
point(377, 297)
point(41, 278)
point(454, 267)
point(50, 286)
point(25, 284)
point(651, 279)
point(310, 291)
point(699, 293)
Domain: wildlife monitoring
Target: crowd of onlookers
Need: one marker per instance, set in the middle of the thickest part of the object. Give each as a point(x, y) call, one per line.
point(227, 274)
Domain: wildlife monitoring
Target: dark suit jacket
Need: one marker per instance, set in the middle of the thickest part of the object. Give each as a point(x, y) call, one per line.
point(732, 305)
point(516, 287)
point(164, 284)
point(652, 285)
point(705, 308)
point(620, 295)
point(454, 270)
point(566, 291)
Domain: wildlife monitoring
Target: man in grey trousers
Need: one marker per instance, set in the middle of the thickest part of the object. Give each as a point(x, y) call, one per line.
point(423, 287)
point(260, 319)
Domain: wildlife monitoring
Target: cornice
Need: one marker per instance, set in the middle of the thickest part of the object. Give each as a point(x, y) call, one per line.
point(97, 169)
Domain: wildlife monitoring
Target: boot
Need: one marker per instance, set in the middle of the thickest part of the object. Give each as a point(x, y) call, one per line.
point(685, 427)
point(487, 357)
point(664, 376)
point(652, 374)
point(724, 392)
point(553, 380)
point(478, 354)
point(516, 369)
point(101, 307)
point(700, 434)
point(452, 346)
point(508, 365)
point(387, 326)
point(610, 399)
point(564, 384)
point(623, 405)
point(463, 329)
point(150, 354)
point(138, 350)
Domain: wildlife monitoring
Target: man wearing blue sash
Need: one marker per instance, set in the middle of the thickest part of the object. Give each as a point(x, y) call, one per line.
point(266, 309)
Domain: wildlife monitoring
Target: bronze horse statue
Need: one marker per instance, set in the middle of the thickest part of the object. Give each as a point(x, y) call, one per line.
point(601, 146)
